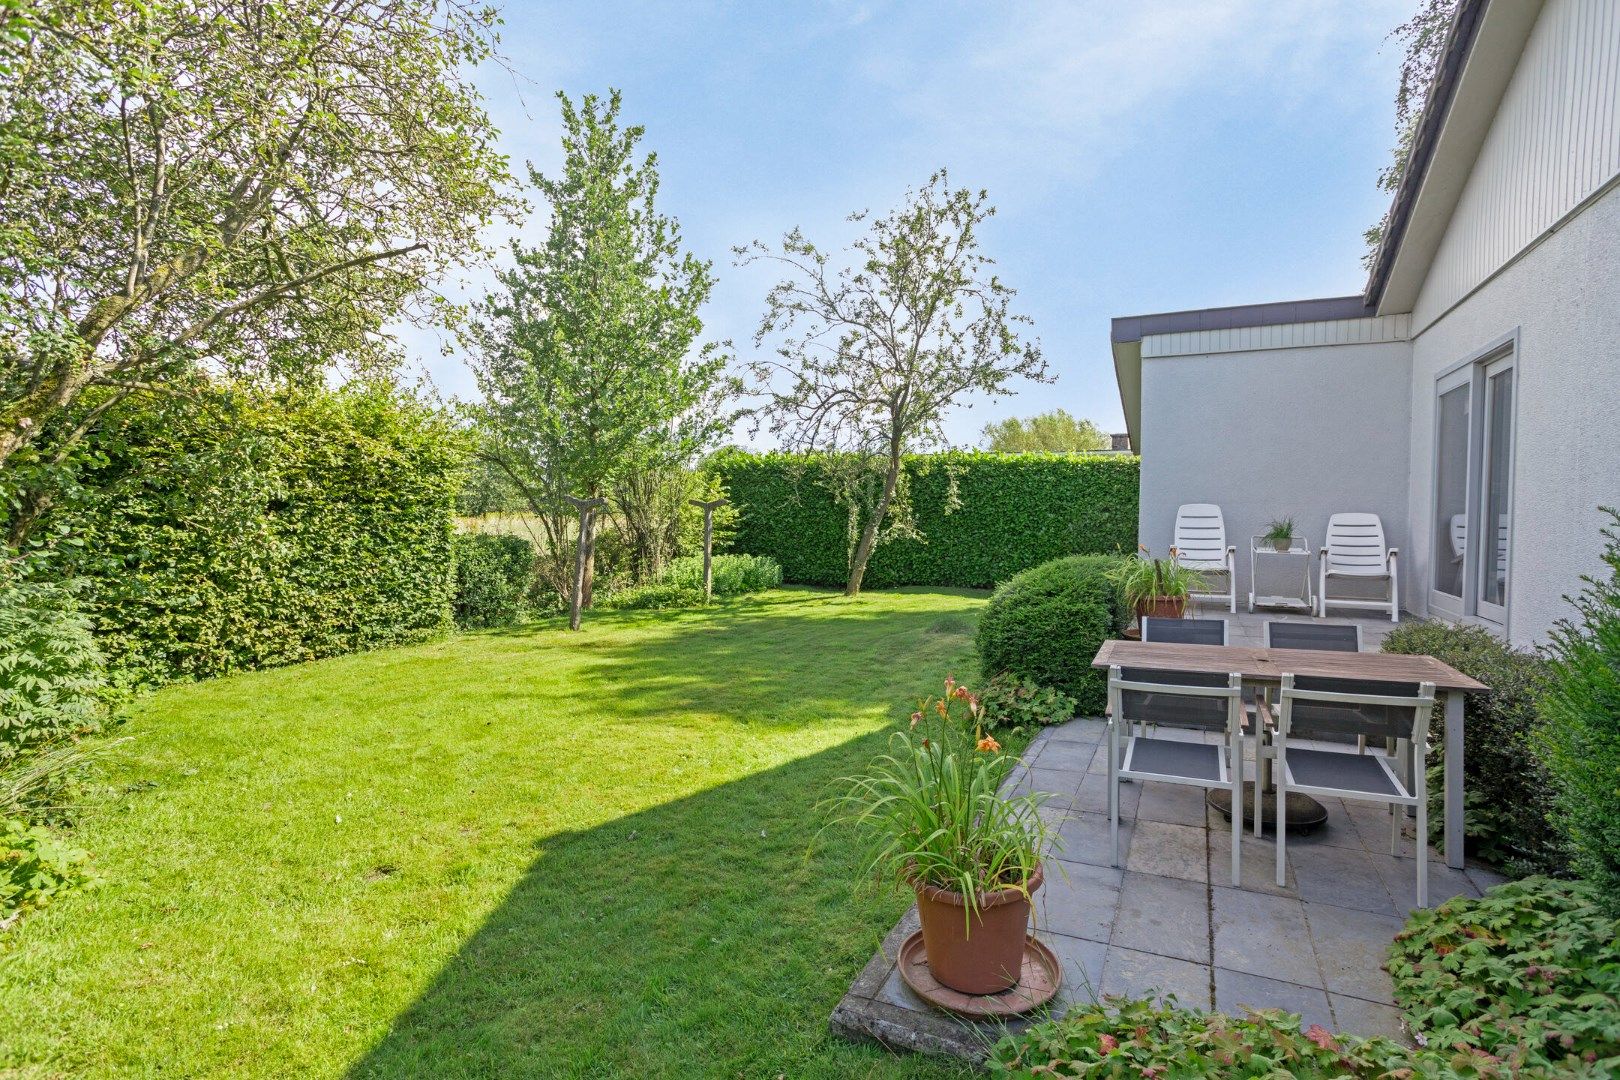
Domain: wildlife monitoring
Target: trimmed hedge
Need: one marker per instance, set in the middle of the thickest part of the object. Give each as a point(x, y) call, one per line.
point(1045, 624)
point(493, 575)
point(1012, 512)
point(251, 529)
point(1509, 798)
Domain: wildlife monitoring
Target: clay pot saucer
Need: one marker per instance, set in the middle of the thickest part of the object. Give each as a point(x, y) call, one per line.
point(1041, 976)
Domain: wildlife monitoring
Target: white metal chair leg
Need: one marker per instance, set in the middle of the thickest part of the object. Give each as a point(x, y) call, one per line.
point(1113, 790)
point(1395, 813)
point(1231, 579)
point(1282, 820)
point(1237, 807)
point(1420, 788)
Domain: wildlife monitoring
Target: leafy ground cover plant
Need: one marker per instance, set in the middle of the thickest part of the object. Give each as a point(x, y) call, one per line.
point(52, 681)
point(733, 574)
point(1528, 973)
point(1580, 736)
point(1123, 1038)
point(1011, 701)
point(1046, 624)
point(34, 868)
point(930, 811)
point(1509, 794)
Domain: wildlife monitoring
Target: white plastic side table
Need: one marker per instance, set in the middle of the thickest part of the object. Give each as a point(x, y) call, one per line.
point(1262, 552)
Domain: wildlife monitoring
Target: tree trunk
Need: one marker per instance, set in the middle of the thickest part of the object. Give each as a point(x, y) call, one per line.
point(576, 595)
point(863, 550)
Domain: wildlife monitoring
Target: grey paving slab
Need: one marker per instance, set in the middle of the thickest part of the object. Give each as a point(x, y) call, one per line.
point(1258, 868)
point(1167, 916)
point(1084, 838)
point(1484, 877)
point(1078, 899)
point(1399, 876)
point(1092, 796)
point(1070, 756)
point(1177, 804)
point(1367, 1018)
point(1060, 784)
point(1236, 991)
point(1172, 851)
point(1129, 973)
point(1351, 947)
point(1345, 877)
point(1263, 935)
point(1082, 962)
point(1083, 729)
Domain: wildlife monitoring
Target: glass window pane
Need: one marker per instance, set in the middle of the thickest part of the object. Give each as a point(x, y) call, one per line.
point(1498, 474)
point(1451, 492)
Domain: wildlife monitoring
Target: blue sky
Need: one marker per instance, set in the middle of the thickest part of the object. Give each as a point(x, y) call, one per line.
point(1144, 156)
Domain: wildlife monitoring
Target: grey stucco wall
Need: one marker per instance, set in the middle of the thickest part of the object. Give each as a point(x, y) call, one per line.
point(1306, 432)
point(1563, 298)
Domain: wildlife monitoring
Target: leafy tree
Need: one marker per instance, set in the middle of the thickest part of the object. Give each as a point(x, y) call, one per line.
point(872, 355)
point(248, 187)
point(1424, 37)
point(1054, 432)
point(587, 355)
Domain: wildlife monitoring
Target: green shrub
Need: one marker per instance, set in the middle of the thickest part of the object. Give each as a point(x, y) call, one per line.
point(253, 528)
point(52, 682)
point(1508, 795)
point(493, 577)
point(656, 595)
point(1529, 973)
point(34, 867)
point(1580, 736)
point(1013, 702)
point(733, 574)
point(980, 518)
point(1046, 624)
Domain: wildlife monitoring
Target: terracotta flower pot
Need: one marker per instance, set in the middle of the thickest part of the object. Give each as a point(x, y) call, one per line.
point(1282, 545)
point(990, 958)
point(1162, 607)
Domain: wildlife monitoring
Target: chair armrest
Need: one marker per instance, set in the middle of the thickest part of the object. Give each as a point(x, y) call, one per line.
point(1391, 556)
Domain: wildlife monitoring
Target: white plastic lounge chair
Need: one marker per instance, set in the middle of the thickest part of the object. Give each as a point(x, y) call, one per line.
point(1201, 546)
point(1355, 550)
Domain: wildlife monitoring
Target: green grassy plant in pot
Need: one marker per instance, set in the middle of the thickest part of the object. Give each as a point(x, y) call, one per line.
point(1281, 533)
point(931, 812)
point(1156, 588)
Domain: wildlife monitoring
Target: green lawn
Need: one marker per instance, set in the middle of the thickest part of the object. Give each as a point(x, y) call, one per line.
point(511, 853)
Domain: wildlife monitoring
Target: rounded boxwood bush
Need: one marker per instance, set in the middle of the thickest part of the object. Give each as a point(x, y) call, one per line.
point(1046, 623)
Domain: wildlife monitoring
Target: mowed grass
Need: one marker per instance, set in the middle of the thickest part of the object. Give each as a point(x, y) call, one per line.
point(524, 853)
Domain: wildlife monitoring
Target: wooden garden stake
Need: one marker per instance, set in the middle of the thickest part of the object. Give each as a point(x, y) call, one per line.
point(587, 516)
point(708, 541)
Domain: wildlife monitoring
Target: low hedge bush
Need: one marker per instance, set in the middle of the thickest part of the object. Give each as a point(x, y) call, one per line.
point(980, 518)
point(493, 577)
point(1580, 735)
point(655, 595)
point(1508, 792)
point(1529, 973)
point(733, 574)
point(1046, 623)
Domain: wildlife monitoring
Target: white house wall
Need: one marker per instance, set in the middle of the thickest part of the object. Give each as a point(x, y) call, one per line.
point(1302, 431)
point(1555, 142)
point(1563, 299)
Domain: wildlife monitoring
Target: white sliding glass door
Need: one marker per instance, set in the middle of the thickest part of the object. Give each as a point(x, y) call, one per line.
point(1473, 490)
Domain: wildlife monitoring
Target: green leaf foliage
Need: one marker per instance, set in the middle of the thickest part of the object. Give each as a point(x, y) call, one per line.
point(1015, 703)
point(1580, 736)
point(978, 518)
point(1529, 973)
point(494, 574)
point(732, 575)
point(653, 596)
point(52, 681)
point(1124, 1039)
point(35, 866)
point(250, 529)
point(1046, 624)
point(1509, 792)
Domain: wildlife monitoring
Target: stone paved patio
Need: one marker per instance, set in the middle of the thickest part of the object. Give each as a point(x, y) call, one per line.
point(1167, 921)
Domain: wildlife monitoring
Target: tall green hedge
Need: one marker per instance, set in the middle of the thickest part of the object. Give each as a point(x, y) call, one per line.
point(250, 529)
point(1011, 512)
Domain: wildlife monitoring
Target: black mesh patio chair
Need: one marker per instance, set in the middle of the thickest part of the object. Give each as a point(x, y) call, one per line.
point(1396, 714)
point(1175, 699)
point(1328, 637)
point(1185, 631)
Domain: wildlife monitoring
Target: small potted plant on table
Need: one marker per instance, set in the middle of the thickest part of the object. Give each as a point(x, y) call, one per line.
point(1157, 588)
point(933, 815)
point(1280, 532)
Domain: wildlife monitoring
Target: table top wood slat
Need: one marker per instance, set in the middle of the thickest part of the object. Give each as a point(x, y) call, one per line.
point(1268, 665)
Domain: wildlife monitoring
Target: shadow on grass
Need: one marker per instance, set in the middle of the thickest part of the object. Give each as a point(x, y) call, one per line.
point(706, 936)
point(709, 935)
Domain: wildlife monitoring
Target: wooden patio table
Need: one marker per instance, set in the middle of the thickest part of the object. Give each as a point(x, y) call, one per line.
point(1265, 667)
